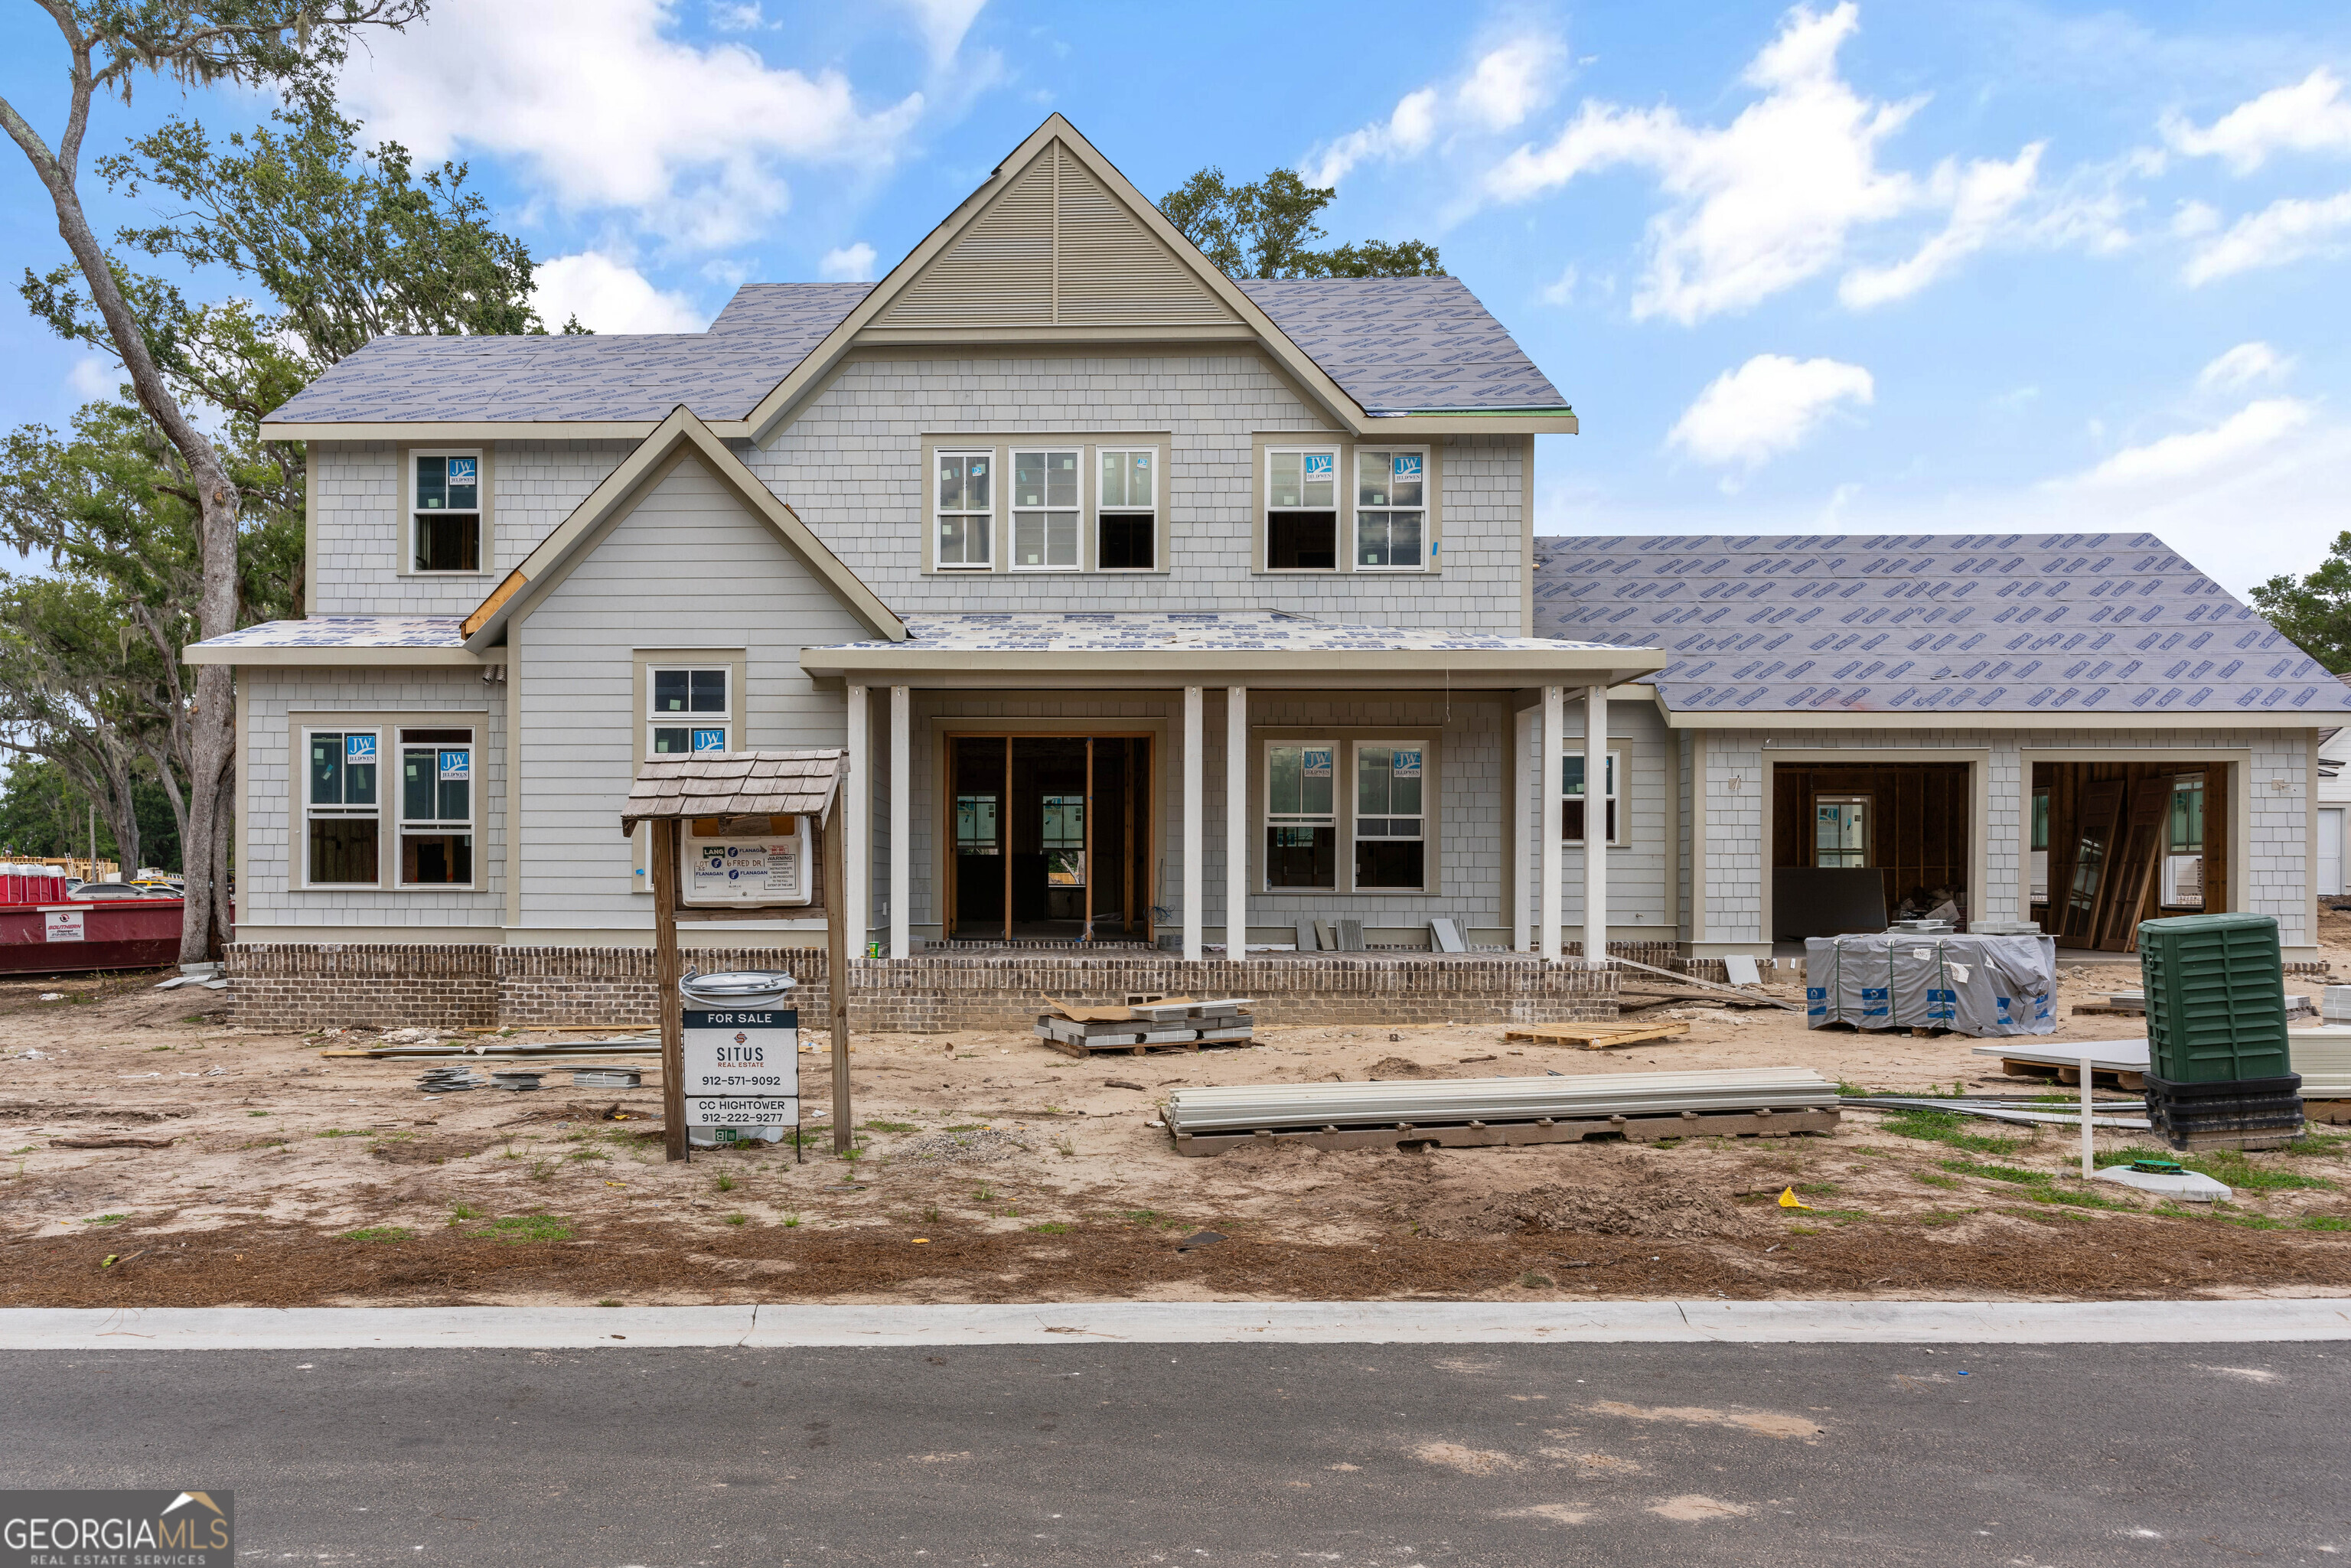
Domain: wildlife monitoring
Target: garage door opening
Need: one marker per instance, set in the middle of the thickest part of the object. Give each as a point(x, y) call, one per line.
point(2115, 843)
point(1855, 845)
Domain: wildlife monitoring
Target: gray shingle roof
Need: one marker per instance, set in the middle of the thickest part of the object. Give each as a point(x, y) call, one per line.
point(1111, 631)
point(1405, 345)
point(1397, 345)
point(1927, 623)
point(733, 784)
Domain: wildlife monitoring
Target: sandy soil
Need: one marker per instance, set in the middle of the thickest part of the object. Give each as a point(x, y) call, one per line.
point(989, 1168)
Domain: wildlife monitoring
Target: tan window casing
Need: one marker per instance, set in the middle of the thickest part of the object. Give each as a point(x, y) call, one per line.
point(301, 724)
point(1433, 481)
point(406, 457)
point(646, 661)
point(1572, 747)
point(1345, 738)
point(1089, 445)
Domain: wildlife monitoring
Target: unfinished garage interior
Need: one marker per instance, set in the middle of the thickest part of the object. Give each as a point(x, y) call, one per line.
point(1855, 844)
point(2113, 843)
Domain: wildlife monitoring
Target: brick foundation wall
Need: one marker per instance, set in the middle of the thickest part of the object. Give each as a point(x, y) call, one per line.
point(307, 986)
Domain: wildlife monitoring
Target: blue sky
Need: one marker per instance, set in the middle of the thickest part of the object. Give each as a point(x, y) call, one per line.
point(1864, 268)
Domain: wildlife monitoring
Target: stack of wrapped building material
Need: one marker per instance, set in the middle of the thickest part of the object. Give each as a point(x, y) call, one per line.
point(1077, 1029)
point(1980, 985)
point(1479, 1112)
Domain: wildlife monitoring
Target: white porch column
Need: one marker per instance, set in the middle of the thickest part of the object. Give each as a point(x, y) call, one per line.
point(1236, 832)
point(1193, 782)
point(857, 828)
point(902, 779)
point(1524, 816)
point(1596, 826)
point(1550, 773)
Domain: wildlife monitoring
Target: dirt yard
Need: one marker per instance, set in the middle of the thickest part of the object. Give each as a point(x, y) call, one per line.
point(991, 1169)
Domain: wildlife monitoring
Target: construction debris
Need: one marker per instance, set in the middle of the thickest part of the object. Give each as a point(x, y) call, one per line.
point(1596, 1036)
point(607, 1077)
point(109, 1141)
point(2119, 1063)
point(2024, 1115)
point(1642, 1107)
point(1077, 1029)
point(450, 1079)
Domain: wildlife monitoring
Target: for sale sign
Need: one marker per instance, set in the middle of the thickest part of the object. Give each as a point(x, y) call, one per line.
point(740, 1053)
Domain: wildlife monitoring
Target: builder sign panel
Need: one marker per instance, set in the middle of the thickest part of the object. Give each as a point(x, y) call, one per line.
point(742, 1067)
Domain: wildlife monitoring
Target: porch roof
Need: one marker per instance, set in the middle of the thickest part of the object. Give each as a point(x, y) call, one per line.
point(344, 639)
point(1262, 647)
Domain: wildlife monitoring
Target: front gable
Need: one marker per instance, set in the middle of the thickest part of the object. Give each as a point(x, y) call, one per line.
point(1056, 246)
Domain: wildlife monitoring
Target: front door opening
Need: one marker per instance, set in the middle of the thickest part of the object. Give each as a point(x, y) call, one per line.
point(1050, 837)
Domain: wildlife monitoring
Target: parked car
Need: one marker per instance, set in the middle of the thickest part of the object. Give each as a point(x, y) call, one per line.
point(98, 890)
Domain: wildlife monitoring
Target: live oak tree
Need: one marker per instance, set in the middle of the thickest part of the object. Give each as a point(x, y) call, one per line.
point(111, 47)
point(1266, 229)
point(2315, 611)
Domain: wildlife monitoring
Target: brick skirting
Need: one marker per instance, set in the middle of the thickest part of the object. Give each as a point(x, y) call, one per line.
point(289, 984)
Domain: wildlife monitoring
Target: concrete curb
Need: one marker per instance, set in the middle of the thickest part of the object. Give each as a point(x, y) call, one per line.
point(776, 1327)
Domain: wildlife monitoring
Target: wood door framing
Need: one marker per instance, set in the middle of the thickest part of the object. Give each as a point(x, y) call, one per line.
point(1054, 730)
point(2238, 760)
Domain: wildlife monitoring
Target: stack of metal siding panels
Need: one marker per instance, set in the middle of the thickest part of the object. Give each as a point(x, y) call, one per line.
point(1243, 1108)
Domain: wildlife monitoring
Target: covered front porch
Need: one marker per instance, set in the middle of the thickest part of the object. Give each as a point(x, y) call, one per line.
point(1219, 782)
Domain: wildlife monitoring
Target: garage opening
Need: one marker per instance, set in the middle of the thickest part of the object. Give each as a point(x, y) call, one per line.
point(2115, 843)
point(1857, 844)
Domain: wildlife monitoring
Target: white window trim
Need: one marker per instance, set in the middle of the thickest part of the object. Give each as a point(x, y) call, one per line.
point(988, 530)
point(1341, 530)
point(481, 513)
point(1077, 512)
point(1355, 509)
point(310, 812)
point(1090, 546)
point(471, 827)
point(1269, 819)
point(1575, 749)
point(689, 721)
point(1355, 811)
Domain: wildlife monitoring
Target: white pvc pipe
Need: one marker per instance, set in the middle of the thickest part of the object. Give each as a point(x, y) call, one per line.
point(2089, 1161)
point(1553, 775)
point(1236, 834)
point(902, 856)
point(1194, 782)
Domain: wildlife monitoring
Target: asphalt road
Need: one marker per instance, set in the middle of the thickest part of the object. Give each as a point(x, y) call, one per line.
point(1099, 1454)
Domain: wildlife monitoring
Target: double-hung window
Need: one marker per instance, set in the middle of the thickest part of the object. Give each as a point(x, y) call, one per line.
point(436, 807)
point(966, 510)
point(1126, 509)
point(1841, 831)
point(1045, 509)
point(1302, 509)
point(445, 512)
point(692, 711)
point(1391, 519)
point(1301, 821)
point(341, 809)
point(1572, 800)
point(1391, 816)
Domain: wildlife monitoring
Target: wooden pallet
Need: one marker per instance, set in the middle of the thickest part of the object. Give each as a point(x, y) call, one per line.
point(1596, 1036)
point(1137, 1036)
point(1500, 1135)
point(2110, 1077)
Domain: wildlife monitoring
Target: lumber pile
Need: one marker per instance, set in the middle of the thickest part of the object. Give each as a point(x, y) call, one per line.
point(1166, 1023)
point(1596, 1036)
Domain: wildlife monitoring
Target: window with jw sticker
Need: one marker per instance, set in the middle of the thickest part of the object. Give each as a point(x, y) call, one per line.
point(1320, 466)
point(1407, 762)
point(1316, 762)
point(358, 748)
point(463, 470)
point(1407, 466)
point(709, 740)
point(457, 765)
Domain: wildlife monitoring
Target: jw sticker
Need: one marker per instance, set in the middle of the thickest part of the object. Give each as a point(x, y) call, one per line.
point(1407, 764)
point(358, 748)
point(464, 470)
point(457, 765)
point(709, 740)
point(1317, 761)
point(1320, 466)
point(1407, 466)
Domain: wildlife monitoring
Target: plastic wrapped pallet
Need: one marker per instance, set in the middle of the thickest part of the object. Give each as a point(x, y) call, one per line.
point(1988, 987)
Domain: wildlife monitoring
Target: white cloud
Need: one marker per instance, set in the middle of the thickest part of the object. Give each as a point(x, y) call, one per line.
point(93, 376)
point(943, 23)
point(1504, 85)
point(1982, 200)
point(744, 18)
point(2243, 366)
point(608, 296)
point(1767, 406)
point(851, 264)
point(1759, 205)
point(1561, 290)
point(2194, 220)
point(2286, 230)
point(2311, 116)
point(2201, 454)
point(606, 109)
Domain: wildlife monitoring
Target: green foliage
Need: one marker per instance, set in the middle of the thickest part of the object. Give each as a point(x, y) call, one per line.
point(890, 1126)
point(42, 813)
point(381, 1233)
point(2315, 611)
point(1947, 1127)
point(2324, 1222)
point(516, 1228)
point(738, 1220)
point(1266, 229)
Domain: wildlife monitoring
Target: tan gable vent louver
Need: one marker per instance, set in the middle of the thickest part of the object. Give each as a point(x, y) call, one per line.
point(1056, 249)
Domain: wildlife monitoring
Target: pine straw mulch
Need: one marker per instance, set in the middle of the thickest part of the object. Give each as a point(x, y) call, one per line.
point(257, 1264)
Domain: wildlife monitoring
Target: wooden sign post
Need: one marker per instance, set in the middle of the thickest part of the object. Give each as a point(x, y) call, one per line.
point(668, 970)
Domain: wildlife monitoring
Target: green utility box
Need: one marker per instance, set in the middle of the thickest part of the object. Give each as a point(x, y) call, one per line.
point(2215, 997)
